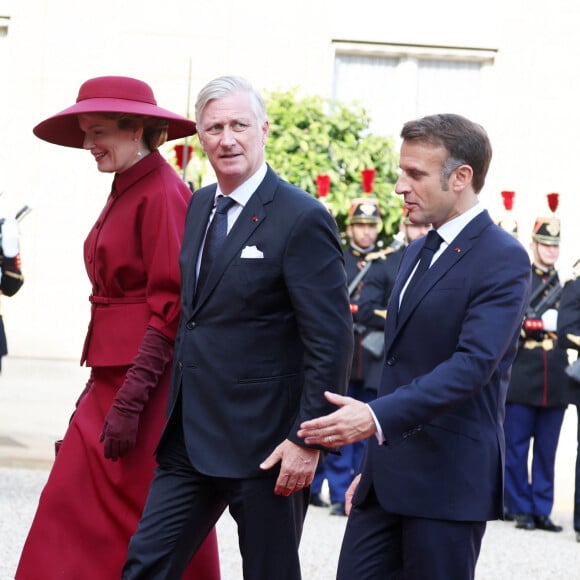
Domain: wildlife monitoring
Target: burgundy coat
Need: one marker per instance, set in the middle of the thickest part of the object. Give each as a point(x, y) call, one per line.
point(90, 505)
point(131, 260)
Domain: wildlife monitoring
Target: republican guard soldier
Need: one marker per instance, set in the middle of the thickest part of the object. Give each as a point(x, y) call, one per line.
point(536, 398)
point(11, 278)
point(364, 224)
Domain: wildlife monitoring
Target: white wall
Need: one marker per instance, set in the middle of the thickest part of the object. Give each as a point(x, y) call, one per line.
point(52, 47)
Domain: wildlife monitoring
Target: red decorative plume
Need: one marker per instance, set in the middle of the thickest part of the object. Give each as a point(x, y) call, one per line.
point(323, 185)
point(553, 200)
point(368, 180)
point(508, 199)
point(179, 155)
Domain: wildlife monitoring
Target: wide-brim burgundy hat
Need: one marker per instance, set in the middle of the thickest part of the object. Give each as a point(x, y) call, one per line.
point(110, 94)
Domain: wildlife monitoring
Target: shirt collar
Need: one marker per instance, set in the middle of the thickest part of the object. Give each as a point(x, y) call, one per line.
point(361, 251)
point(451, 229)
point(243, 192)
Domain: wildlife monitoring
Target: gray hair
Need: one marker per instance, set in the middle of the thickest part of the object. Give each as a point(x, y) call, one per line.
point(224, 86)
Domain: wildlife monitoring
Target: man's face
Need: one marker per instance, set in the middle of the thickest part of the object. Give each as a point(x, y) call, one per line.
point(233, 139)
point(545, 256)
point(427, 199)
point(363, 235)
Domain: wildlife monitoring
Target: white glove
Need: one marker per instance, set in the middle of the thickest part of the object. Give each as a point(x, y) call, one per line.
point(566, 274)
point(10, 237)
point(550, 320)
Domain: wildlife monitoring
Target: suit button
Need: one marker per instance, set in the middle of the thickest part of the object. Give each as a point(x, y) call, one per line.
point(179, 365)
point(391, 361)
point(190, 325)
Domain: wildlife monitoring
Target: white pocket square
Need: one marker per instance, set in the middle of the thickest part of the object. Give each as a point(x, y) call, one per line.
point(251, 252)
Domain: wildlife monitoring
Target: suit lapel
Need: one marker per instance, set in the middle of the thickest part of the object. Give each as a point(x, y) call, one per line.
point(201, 206)
point(444, 263)
point(251, 218)
point(409, 260)
point(452, 255)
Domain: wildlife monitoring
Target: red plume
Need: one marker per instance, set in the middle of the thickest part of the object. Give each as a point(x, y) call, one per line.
point(508, 199)
point(179, 155)
point(368, 180)
point(553, 200)
point(323, 185)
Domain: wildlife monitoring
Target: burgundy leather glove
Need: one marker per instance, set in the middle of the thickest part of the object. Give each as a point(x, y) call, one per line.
point(122, 421)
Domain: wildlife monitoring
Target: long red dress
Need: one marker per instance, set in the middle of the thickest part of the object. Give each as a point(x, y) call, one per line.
point(90, 505)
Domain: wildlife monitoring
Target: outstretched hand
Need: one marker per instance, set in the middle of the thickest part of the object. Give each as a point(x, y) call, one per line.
point(297, 468)
point(352, 422)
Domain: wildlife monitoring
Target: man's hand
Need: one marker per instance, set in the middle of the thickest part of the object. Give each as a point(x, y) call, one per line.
point(352, 422)
point(298, 465)
point(350, 493)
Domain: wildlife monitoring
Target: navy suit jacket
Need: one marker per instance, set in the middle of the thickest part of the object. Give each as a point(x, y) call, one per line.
point(448, 355)
point(267, 336)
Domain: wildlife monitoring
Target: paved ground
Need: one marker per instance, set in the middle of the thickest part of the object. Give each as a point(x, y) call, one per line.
point(36, 399)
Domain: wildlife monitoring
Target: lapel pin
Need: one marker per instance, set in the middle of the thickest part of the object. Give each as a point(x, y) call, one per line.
point(457, 250)
point(255, 218)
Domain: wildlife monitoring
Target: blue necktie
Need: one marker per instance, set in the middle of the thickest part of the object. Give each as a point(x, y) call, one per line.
point(432, 242)
point(214, 238)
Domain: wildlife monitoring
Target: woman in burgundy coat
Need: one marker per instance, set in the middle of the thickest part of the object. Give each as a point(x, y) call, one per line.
point(97, 488)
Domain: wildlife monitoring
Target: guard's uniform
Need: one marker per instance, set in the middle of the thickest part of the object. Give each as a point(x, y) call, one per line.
point(372, 311)
point(11, 278)
point(339, 469)
point(536, 401)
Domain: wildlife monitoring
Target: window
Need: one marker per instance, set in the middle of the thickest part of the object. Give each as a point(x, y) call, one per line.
point(395, 83)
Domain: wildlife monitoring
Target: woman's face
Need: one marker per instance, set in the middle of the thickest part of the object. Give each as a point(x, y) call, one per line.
point(114, 149)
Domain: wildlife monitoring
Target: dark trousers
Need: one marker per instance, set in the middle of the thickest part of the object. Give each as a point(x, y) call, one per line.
point(531, 493)
point(382, 546)
point(183, 506)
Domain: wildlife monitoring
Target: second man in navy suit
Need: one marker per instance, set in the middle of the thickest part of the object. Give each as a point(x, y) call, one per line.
point(433, 470)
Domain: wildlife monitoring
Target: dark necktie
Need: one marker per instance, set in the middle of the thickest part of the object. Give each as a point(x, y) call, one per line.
point(432, 242)
point(214, 238)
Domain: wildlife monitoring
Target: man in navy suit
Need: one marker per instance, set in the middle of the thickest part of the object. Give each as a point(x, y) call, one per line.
point(259, 342)
point(433, 470)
